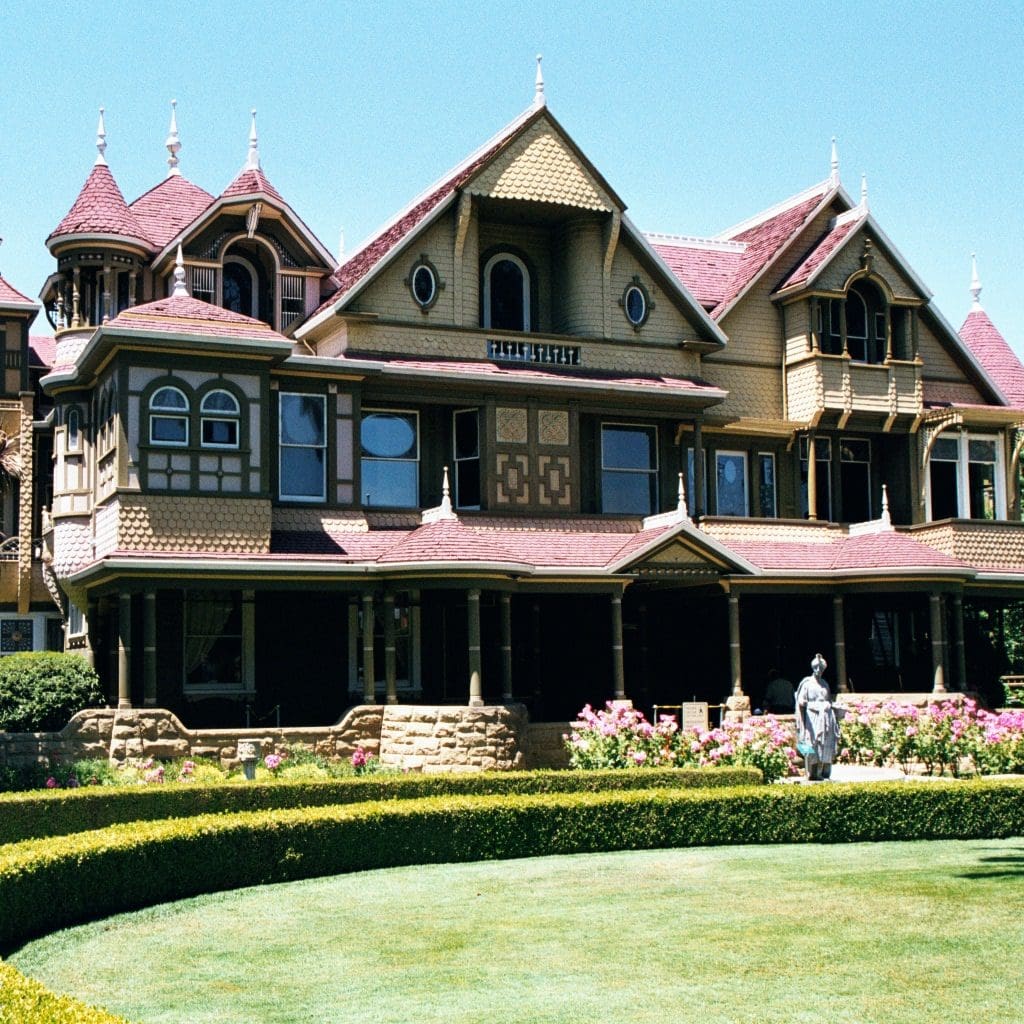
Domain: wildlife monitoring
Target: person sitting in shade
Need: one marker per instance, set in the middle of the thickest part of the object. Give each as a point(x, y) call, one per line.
point(817, 722)
point(778, 695)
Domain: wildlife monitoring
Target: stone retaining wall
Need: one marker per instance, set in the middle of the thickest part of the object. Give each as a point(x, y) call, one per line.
point(410, 737)
point(545, 747)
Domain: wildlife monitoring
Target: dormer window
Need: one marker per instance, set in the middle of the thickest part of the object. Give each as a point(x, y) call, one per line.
point(240, 287)
point(857, 325)
point(506, 293)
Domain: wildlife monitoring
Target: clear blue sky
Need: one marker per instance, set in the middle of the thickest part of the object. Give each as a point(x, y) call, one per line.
point(699, 115)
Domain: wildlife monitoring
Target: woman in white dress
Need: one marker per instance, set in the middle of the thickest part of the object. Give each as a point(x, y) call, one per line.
point(817, 722)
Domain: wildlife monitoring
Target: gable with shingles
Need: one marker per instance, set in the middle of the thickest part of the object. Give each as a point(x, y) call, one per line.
point(679, 554)
point(541, 167)
point(849, 259)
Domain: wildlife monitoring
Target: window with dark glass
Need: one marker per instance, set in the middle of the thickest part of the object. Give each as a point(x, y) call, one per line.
point(74, 435)
point(944, 478)
point(303, 447)
point(855, 479)
point(213, 640)
point(981, 477)
point(390, 459)
point(767, 494)
point(629, 469)
point(238, 288)
point(219, 420)
point(965, 479)
point(636, 304)
point(168, 417)
point(423, 283)
point(731, 483)
point(823, 477)
point(506, 293)
point(466, 438)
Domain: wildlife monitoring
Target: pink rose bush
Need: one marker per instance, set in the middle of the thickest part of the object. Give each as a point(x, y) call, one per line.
point(946, 736)
point(620, 737)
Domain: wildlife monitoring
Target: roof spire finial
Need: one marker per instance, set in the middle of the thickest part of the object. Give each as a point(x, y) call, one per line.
point(101, 139)
point(975, 283)
point(341, 245)
point(864, 192)
point(886, 518)
point(444, 510)
point(834, 173)
point(252, 162)
point(173, 143)
point(180, 291)
point(538, 87)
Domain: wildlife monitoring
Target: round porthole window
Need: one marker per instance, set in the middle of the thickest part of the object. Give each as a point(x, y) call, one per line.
point(423, 284)
point(636, 304)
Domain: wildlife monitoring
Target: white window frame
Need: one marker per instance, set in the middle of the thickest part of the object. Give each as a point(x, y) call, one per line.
point(162, 413)
point(379, 458)
point(219, 416)
point(963, 473)
point(488, 266)
point(457, 461)
point(652, 471)
point(743, 457)
point(282, 445)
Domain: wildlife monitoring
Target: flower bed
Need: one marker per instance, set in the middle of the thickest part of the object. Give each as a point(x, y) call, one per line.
point(942, 737)
point(620, 737)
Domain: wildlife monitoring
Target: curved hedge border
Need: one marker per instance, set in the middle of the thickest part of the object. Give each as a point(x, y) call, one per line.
point(129, 866)
point(62, 812)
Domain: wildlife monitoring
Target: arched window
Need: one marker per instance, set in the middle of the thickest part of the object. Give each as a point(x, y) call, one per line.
point(240, 286)
point(73, 433)
point(219, 418)
point(856, 325)
point(168, 417)
point(506, 288)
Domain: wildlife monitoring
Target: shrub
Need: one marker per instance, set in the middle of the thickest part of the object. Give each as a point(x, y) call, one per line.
point(944, 737)
point(41, 690)
point(620, 737)
point(62, 812)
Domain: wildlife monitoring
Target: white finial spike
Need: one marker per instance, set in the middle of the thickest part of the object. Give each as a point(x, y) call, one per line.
point(180, 291)
point(975, 283)
point(101, 140)
point(538, 87)
point(341, 245)
point(173, 143)
point(864, 192)
point(252, 163)
point(834, 175)
point(886, 518)
point(444, 510)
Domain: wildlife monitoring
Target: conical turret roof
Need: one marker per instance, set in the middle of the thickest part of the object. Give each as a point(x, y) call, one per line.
point(100, 209)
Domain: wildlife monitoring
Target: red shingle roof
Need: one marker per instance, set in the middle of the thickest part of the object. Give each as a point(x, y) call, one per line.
point(821, 252)
point(166, 209)
point(885, 549)
point(8, 293)
point(554, 375)
point(707, 272)
point(183, 314)
point(42, 350)
point(100, 209)
point(998, 360)
point(251, 180)
point(717, 276)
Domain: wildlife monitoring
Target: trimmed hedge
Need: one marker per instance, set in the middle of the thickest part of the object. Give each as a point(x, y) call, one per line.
point(46, 884)
point(65, 811)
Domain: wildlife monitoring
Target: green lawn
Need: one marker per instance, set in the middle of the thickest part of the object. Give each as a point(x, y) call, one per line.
point(886, 932)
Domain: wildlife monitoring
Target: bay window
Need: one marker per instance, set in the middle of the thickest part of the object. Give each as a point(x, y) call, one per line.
point(965, 478)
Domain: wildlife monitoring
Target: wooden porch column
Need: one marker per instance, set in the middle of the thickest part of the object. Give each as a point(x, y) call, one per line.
point(476, 699)
point(938, 643)
point(959, 658)
point(839, 628)
point(369, 673)
point(734, 645)
point(698, 471)
point(124, 651)
point(618, 664)
point(506, 648)
point(391, 695)
point(92, 612)
point(149, 648)
point(812, 479)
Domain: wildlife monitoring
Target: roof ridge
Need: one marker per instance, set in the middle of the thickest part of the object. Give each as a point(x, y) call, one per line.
point(822, 188)
point(695, 242)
